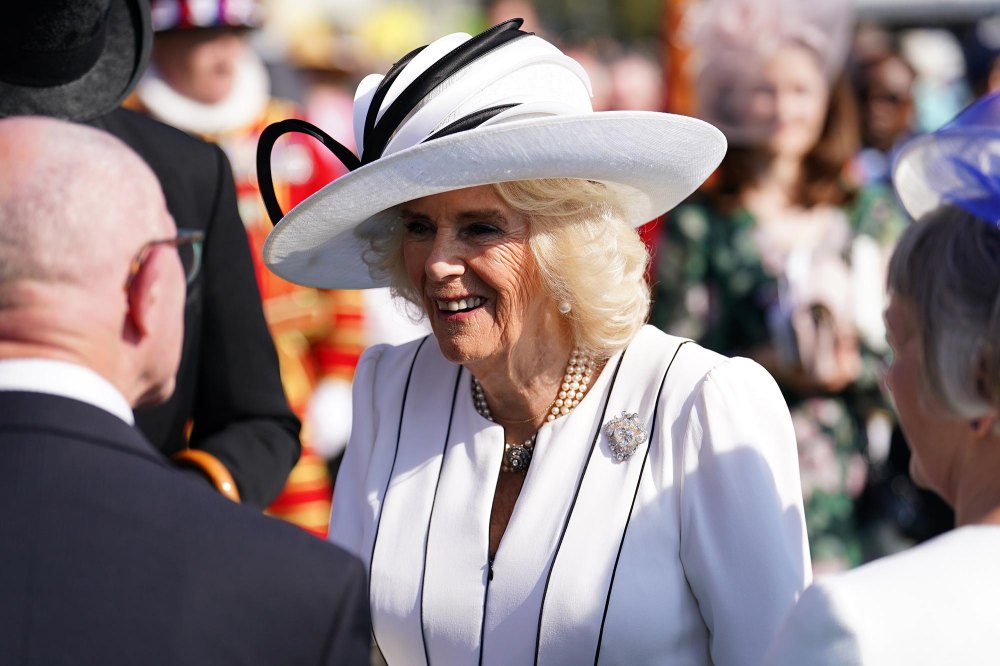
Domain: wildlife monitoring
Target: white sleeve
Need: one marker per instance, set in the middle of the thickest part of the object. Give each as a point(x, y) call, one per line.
point(816, 633)
point(743, 533)
point(351, 506)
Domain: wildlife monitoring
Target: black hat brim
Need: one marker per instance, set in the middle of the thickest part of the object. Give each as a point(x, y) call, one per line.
point(105, 85)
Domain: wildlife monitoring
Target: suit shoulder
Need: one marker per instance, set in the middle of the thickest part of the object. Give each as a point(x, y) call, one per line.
point(152, 139)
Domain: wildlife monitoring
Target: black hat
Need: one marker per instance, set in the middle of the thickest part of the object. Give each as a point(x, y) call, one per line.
point(72, 59)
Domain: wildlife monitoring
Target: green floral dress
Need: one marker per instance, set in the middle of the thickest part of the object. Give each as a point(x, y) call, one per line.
point(714, 283)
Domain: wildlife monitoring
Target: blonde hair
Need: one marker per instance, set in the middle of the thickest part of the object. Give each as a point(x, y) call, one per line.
point(586, 252)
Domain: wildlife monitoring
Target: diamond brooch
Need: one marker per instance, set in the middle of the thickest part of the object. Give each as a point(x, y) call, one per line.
point(625, 435)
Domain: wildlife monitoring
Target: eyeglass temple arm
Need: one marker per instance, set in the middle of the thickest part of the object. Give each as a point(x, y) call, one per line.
point(265, 146)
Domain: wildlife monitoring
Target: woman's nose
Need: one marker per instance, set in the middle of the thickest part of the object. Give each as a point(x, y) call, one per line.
point(445, 259)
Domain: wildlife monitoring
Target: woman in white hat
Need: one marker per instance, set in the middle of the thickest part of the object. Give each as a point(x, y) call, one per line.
point(936, 603)
point(544, 479)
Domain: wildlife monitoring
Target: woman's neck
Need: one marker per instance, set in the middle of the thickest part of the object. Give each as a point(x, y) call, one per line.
point(775, 189)
point(521, 385)
point(977, 495)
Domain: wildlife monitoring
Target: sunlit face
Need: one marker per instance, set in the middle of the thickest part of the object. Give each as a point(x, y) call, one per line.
point(166, 323)
point(199, 64)
point(801, 97)
point(887, 108)
point(466, 252)
point(933, 437)
point(173, 325)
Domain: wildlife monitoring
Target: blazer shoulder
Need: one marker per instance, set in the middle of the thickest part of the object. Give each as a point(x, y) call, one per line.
point(385, 362)
point(691, 358)
point(161, 145)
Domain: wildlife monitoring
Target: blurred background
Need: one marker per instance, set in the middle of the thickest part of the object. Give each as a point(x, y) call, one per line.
point(951, 43)
point(878, 72)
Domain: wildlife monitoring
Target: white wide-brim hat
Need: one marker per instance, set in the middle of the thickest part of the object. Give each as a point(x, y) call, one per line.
point(467, 111)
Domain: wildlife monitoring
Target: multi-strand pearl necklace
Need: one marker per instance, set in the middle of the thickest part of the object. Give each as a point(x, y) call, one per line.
point(576, 380)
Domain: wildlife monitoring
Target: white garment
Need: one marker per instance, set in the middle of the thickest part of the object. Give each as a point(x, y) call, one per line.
point(243, 105)
point(69, 380)
point(714, 550)
point(932, 605)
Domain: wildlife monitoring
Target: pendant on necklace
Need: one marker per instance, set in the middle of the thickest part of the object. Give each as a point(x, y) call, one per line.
point(517, 457)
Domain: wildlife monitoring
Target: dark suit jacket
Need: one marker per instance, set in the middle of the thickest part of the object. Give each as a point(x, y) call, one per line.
point(228, 382)
point(109, 555)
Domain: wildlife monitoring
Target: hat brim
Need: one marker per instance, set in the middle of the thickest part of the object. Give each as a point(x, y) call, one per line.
point(652, 160)
point(106, 85)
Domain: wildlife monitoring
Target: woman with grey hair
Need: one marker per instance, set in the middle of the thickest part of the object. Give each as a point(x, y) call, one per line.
point(934, 604)
point(545, 479)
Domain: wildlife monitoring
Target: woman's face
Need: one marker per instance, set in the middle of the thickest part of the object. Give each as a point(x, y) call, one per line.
point(801, 97)
point(466, 252)
point(934, 438)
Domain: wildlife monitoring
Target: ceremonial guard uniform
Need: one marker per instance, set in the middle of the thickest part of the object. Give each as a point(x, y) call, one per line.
point(318, 334)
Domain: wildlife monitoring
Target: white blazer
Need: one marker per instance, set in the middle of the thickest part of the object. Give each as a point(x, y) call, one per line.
point(689, 552)
point(933, 605)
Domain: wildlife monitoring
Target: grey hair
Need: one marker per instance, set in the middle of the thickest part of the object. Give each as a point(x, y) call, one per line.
point(948, 267)
point(586, 252)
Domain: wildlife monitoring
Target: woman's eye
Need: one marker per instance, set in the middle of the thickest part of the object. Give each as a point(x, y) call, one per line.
point(417, 228)
point(481, 230)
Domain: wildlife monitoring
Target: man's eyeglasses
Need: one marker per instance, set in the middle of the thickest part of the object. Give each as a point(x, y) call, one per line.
point(188, 243)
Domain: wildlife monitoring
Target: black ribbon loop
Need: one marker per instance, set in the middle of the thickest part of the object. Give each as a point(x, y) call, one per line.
point(380, 92)
point(265, 145)
point(377, 134)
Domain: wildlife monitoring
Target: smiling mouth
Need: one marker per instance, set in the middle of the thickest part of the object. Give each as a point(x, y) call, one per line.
point(460, 305)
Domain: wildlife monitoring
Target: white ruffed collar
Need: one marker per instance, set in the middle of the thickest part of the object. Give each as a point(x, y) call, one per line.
point(244, 104)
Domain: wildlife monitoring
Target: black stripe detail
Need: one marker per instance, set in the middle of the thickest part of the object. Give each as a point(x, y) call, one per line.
point(265, 145)
point(470, 121)
point(428, 80)
point(385, 493)
point(380, 92)
point(652, 432)
point(489, 577)
point(576, 495)
point(486, 598)
point(430, 516)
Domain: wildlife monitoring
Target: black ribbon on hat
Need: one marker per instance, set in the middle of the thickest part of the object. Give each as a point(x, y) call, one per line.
point(379, 132)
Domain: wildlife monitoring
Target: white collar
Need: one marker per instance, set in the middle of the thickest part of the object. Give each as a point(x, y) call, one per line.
point(243, 105)
point(62, 378)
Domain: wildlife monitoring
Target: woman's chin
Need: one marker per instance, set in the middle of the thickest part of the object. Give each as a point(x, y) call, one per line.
point(457, 348)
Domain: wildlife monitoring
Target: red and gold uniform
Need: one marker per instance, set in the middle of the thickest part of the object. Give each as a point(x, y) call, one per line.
point(318, 334)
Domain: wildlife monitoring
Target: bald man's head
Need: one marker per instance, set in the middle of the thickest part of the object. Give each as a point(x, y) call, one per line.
point(76, 207)
point(74, 202)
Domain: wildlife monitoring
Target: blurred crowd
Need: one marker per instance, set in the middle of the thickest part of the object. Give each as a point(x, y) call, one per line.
point(780, 257)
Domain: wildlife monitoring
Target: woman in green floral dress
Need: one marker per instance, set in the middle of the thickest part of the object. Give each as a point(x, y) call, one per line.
point(782, 261)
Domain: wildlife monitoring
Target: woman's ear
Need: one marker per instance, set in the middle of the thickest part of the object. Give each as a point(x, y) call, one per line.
point(983, 426)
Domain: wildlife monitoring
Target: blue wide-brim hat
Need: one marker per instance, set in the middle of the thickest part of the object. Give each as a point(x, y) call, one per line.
point(958, 164)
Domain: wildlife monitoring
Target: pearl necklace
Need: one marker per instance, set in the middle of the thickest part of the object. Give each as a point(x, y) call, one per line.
point(576, 380)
